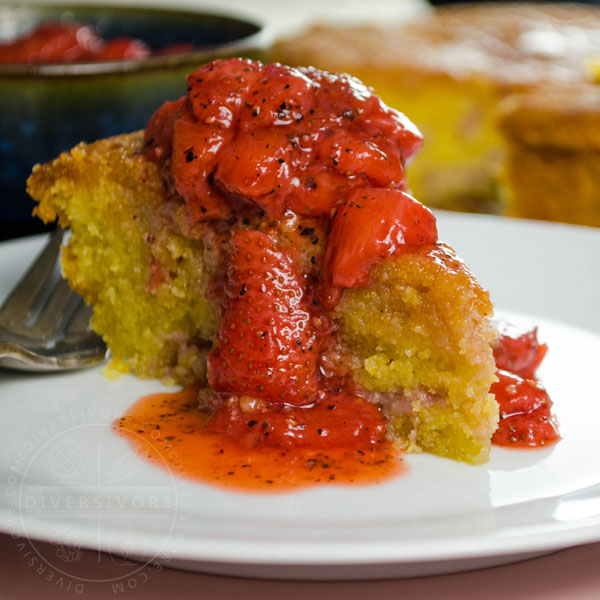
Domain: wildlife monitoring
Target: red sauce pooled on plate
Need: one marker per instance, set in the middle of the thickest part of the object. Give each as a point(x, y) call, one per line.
point(171, 432)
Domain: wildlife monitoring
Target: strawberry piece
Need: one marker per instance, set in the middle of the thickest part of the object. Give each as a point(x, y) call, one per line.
point(224, 92)
point(527, 431)
point(159, 131)
point(351, 154)
point(516, 395)
point(390, 124)
point(123, 48)
point(282, 97)
point(194, 157)
point(519, 351)
point(266, 345)
point(338, 421)
point(53, 42)
point(525, 417)
point(320, 191)
point(215, 90)
point(396, 221)
point(362, 112)
point(256, 166)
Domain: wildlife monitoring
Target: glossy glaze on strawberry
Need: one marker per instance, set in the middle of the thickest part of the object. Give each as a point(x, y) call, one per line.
point(277, 159)
point(272, 140)
point(297, 178)
point(395, 220)
point(519, 351)
point(267, 345)
point(525, 406)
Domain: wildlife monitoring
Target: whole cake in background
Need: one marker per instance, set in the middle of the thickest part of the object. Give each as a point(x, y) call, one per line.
point(552, 165)
point(455, 72)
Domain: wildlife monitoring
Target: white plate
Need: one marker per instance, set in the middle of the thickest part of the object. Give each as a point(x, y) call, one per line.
point(66, 477)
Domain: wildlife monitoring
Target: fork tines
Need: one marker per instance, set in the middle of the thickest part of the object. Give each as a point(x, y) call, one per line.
point(43, 322)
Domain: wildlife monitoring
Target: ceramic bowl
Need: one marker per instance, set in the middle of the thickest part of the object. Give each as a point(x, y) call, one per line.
point(48, 108)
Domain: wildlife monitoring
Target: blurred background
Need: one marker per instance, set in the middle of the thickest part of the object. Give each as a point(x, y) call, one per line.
point(505, 93)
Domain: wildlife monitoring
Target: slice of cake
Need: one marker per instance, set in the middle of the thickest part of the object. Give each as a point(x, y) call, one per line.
point(450, 70)
point(259, 238)
point(552, 168)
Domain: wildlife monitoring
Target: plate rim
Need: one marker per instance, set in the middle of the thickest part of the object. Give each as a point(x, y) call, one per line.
point(264, 553)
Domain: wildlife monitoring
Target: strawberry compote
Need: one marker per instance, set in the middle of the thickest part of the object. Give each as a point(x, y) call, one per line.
point(294, 181)
point(273, 168)
point(253, 145)
point(525, 407)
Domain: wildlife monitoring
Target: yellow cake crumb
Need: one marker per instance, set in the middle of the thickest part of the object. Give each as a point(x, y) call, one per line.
point(418, 337)
point(422, 326)
point(146, 281)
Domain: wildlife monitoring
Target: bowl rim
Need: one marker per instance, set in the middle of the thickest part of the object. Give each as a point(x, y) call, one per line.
point(260, 39)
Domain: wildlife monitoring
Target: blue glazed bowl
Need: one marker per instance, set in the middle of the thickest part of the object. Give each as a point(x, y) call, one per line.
point(48, 108)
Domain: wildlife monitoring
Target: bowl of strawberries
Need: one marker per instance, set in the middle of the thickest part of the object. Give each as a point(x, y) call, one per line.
point(83, 72)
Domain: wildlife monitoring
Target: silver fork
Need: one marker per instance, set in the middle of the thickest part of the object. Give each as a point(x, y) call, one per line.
point(44, 324)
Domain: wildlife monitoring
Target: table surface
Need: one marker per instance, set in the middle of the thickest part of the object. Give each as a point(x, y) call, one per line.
point(25, 573)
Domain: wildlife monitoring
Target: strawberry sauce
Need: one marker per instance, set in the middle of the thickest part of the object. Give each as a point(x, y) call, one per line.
point(275, 167)
point(293, 179)
point(171, 432)
point(526, 420)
